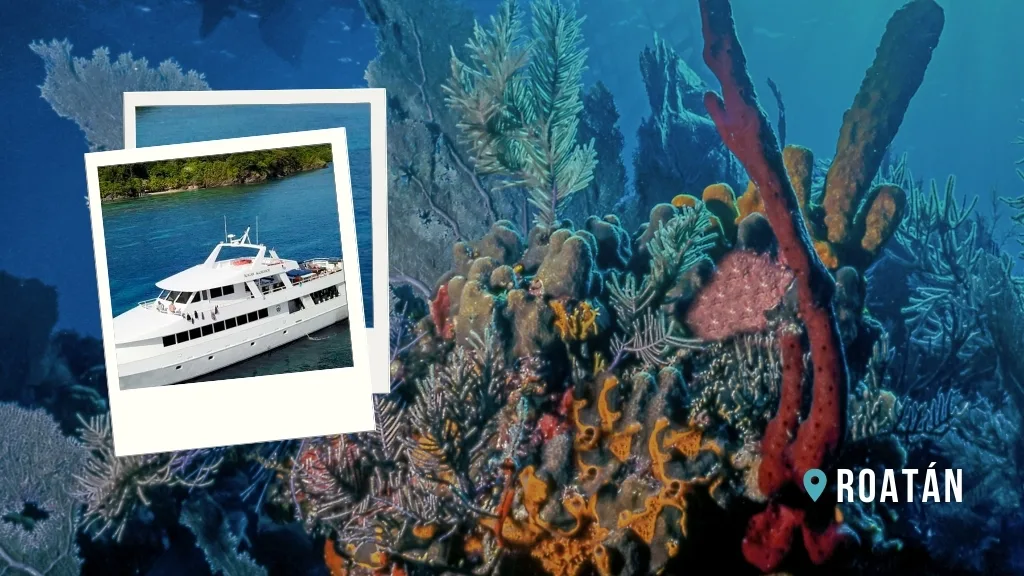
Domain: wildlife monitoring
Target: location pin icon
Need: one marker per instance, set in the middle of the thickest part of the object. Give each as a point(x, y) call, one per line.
point(814, 483)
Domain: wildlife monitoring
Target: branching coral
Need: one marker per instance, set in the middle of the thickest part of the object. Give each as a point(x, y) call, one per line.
point(740, 383)
point(38, 514)
point(435, 467)
point(986, 446)
point(519, 107)
point(456, 417)
point(876, 411)
point(676, 245)
point(1017, 204)
point(966, 302)
point(114, 488)
point(89, 91)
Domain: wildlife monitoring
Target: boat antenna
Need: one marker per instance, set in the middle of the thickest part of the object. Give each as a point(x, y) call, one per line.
point(225, 227)
point(257, 229)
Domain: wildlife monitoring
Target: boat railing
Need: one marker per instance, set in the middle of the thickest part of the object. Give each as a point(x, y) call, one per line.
point(316, 275)
point(156, 304)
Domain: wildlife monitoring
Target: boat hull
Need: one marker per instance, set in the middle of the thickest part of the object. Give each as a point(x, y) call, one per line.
point(256, 339)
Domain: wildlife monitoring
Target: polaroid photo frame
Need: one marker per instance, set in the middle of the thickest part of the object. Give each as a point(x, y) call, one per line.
point(376, 98)
point(247, 409)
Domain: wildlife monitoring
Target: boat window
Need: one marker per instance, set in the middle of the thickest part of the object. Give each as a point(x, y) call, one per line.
point(196, 297)
point(194, 333)
point(181, 337)
point(204, 294)
point(215, 293)
point(324, 294)
point(218, 326)
point(163, 294)
point(183, 297)
point(172, 296)
point(253, 316)
point(169, 340)
point(208, 329)
point(230, 323)
point(242, 320)
point(229, 290)
point(263, 313)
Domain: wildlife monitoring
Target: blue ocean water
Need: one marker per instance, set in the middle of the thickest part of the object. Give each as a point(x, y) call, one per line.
point(151, 238)
point(179, 124)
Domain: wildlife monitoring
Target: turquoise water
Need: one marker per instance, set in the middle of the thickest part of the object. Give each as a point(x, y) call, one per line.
point(154, 237)
point(179, 124)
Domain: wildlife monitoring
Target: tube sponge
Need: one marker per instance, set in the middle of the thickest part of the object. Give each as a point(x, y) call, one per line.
point(871, 123)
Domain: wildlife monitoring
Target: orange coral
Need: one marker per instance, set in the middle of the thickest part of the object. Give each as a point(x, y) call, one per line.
point(608, 417)
point(424, 531)
point(336, 564)
point(567, 556)
point(587, 436)
point(643, 523)
point(620, 444)
point(535, 492)
point(578, 325)
point(687, 442)
point(587, 472)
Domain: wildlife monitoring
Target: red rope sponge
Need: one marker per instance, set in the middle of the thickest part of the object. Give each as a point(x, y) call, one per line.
point(743, 126)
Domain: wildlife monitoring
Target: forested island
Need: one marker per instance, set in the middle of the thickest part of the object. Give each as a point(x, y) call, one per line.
point(135, 180)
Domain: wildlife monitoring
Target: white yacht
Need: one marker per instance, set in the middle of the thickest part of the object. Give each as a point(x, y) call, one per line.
point(224, 311)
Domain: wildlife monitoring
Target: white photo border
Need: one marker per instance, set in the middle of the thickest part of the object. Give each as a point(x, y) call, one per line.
point(379, 334)
point(240, 410)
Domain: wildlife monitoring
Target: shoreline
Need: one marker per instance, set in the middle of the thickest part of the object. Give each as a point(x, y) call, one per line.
point(193, 189)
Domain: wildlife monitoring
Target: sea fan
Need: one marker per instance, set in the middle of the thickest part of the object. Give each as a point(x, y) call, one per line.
point(89, 91)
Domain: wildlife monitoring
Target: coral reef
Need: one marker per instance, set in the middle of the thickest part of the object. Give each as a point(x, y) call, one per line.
point(554, 412)
point(624, 393)
point(89, 91)
point(38, 512)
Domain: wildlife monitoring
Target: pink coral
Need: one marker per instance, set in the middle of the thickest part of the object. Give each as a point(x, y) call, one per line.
point(743, 288)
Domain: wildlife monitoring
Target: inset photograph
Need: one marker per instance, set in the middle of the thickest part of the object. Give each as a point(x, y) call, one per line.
point(232, 266)
point(194, 301)
point(162, 118)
